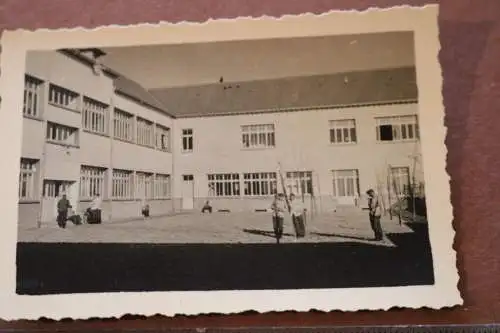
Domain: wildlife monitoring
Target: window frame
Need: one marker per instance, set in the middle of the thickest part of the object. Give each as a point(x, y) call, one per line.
point(338, 130)
point(224, 185)
point(258, 136)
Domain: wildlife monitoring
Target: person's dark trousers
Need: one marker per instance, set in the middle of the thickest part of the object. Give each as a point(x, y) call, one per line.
point(278, 227)
point(298, 225)
point(62, 217)
point(376, 227)
point(207, 209)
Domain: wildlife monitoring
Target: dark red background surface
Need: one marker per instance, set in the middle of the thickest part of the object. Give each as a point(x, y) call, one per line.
point(470, 60)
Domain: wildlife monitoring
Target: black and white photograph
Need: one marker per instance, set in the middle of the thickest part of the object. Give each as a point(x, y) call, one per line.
point(273, 163)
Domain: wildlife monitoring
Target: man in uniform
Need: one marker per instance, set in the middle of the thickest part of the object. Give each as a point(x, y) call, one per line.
point(375, 214)
point(278, 207)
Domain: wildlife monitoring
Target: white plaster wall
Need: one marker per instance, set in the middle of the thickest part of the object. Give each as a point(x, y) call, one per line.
point(302, 143)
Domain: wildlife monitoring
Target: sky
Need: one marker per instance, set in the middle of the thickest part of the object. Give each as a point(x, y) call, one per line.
point(164, 66)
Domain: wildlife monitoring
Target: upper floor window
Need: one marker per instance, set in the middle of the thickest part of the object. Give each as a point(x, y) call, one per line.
point(32, 96)
point(223, 185)
point(145, 132)
point(27, 179)
point(123, 125)
point(94, 116)
point(63, 97)
point(398, 128)
point(187, 140)
point(343, 131)
point(258, 136)
point(260, 183)
point(62, 134)
point(162, 138)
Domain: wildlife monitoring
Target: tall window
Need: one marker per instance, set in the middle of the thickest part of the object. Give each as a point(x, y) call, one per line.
point(162, 186)
point(400, 180)
point(258, 136)
point(263, 183)
point(401, 128)
point(62, 134)
point(63, 97)
point(299, 182)
point(55, 188)
point(145, 132)
point(162, 138)
point(92, 182)
point(94, 116)
point(122, 184)
point(123, 125)
point(187, 140)
point(32, 96)
point(223, 185)
point(343, 131)
point(144, 185)
point(27, 179)
point(345, 183)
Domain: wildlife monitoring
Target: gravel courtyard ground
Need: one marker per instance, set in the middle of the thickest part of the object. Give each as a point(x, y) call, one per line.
point(347, 225)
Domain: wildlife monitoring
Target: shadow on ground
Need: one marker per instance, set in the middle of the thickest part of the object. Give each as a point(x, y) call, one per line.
point(265, 233)
point(82, 268)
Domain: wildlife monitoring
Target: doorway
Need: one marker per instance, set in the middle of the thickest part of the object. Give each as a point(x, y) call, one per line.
point(187, 192)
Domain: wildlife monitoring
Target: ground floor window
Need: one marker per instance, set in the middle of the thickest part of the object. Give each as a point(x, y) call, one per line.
point(162, 186)
point(144, 185)
point(262, 183)
point(27, 179)
point(55, 188)
point(299, 182)
point(345, 183)
point(122, 184)
point(400, 180)
point(92, 182)
point(223, 185)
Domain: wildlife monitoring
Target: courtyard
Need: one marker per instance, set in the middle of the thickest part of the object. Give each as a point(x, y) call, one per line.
point(344, 225)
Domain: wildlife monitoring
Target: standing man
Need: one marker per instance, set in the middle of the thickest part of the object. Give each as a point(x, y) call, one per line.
point(297, 211)
point(278, 207)
point(375, 214)
point(63, 206)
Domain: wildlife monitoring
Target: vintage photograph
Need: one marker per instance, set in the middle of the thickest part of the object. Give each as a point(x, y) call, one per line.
point(280, 163)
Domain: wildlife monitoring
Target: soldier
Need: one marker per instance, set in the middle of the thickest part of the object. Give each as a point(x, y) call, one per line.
point(63, 206)
point(278, 207)
point(375, 214)
point(297, 211)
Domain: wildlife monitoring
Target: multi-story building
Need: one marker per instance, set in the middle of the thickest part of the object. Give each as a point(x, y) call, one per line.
point(326, 138)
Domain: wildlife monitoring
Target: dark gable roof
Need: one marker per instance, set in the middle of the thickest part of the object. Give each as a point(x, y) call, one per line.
point(344, 89)
point(135, 91)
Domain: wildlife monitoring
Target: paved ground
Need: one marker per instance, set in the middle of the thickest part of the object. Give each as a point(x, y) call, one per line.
point(348, 225)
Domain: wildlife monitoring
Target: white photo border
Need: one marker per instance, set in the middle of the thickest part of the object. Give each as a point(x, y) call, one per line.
point(421, 20)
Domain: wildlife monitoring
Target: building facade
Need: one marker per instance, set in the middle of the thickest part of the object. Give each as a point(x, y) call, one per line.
point(84, 137)
point(88, 134)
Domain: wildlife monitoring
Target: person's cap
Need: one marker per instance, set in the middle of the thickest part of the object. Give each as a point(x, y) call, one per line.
point(370, 191)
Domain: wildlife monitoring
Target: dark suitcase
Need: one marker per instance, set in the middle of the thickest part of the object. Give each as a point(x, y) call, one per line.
point(299, 225)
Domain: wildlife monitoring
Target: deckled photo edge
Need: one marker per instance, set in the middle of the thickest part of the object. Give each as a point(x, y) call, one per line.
point(104, 305)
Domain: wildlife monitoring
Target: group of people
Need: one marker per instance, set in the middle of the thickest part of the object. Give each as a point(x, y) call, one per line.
point(92, 214)
point(296, 210)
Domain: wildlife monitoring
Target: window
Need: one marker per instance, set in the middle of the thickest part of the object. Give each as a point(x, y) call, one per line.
point(63, 97)
point(145, 132)
point(62, 134)
point(162, 186)
point(122, 184)
point(400, 180)
point(94, 116)
point(32, 96)
point(345, 183)
point(92, 182)
point(27, 179)
point(263, 183)
point(187, 140)
point(299, 182)
point(144, 185)
point(401, 128)
point(223, 185)
point(55, 188)
point(343, 131)
point(123, 125)
point(258, 136)
point(162, 138)
point(187, 178)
